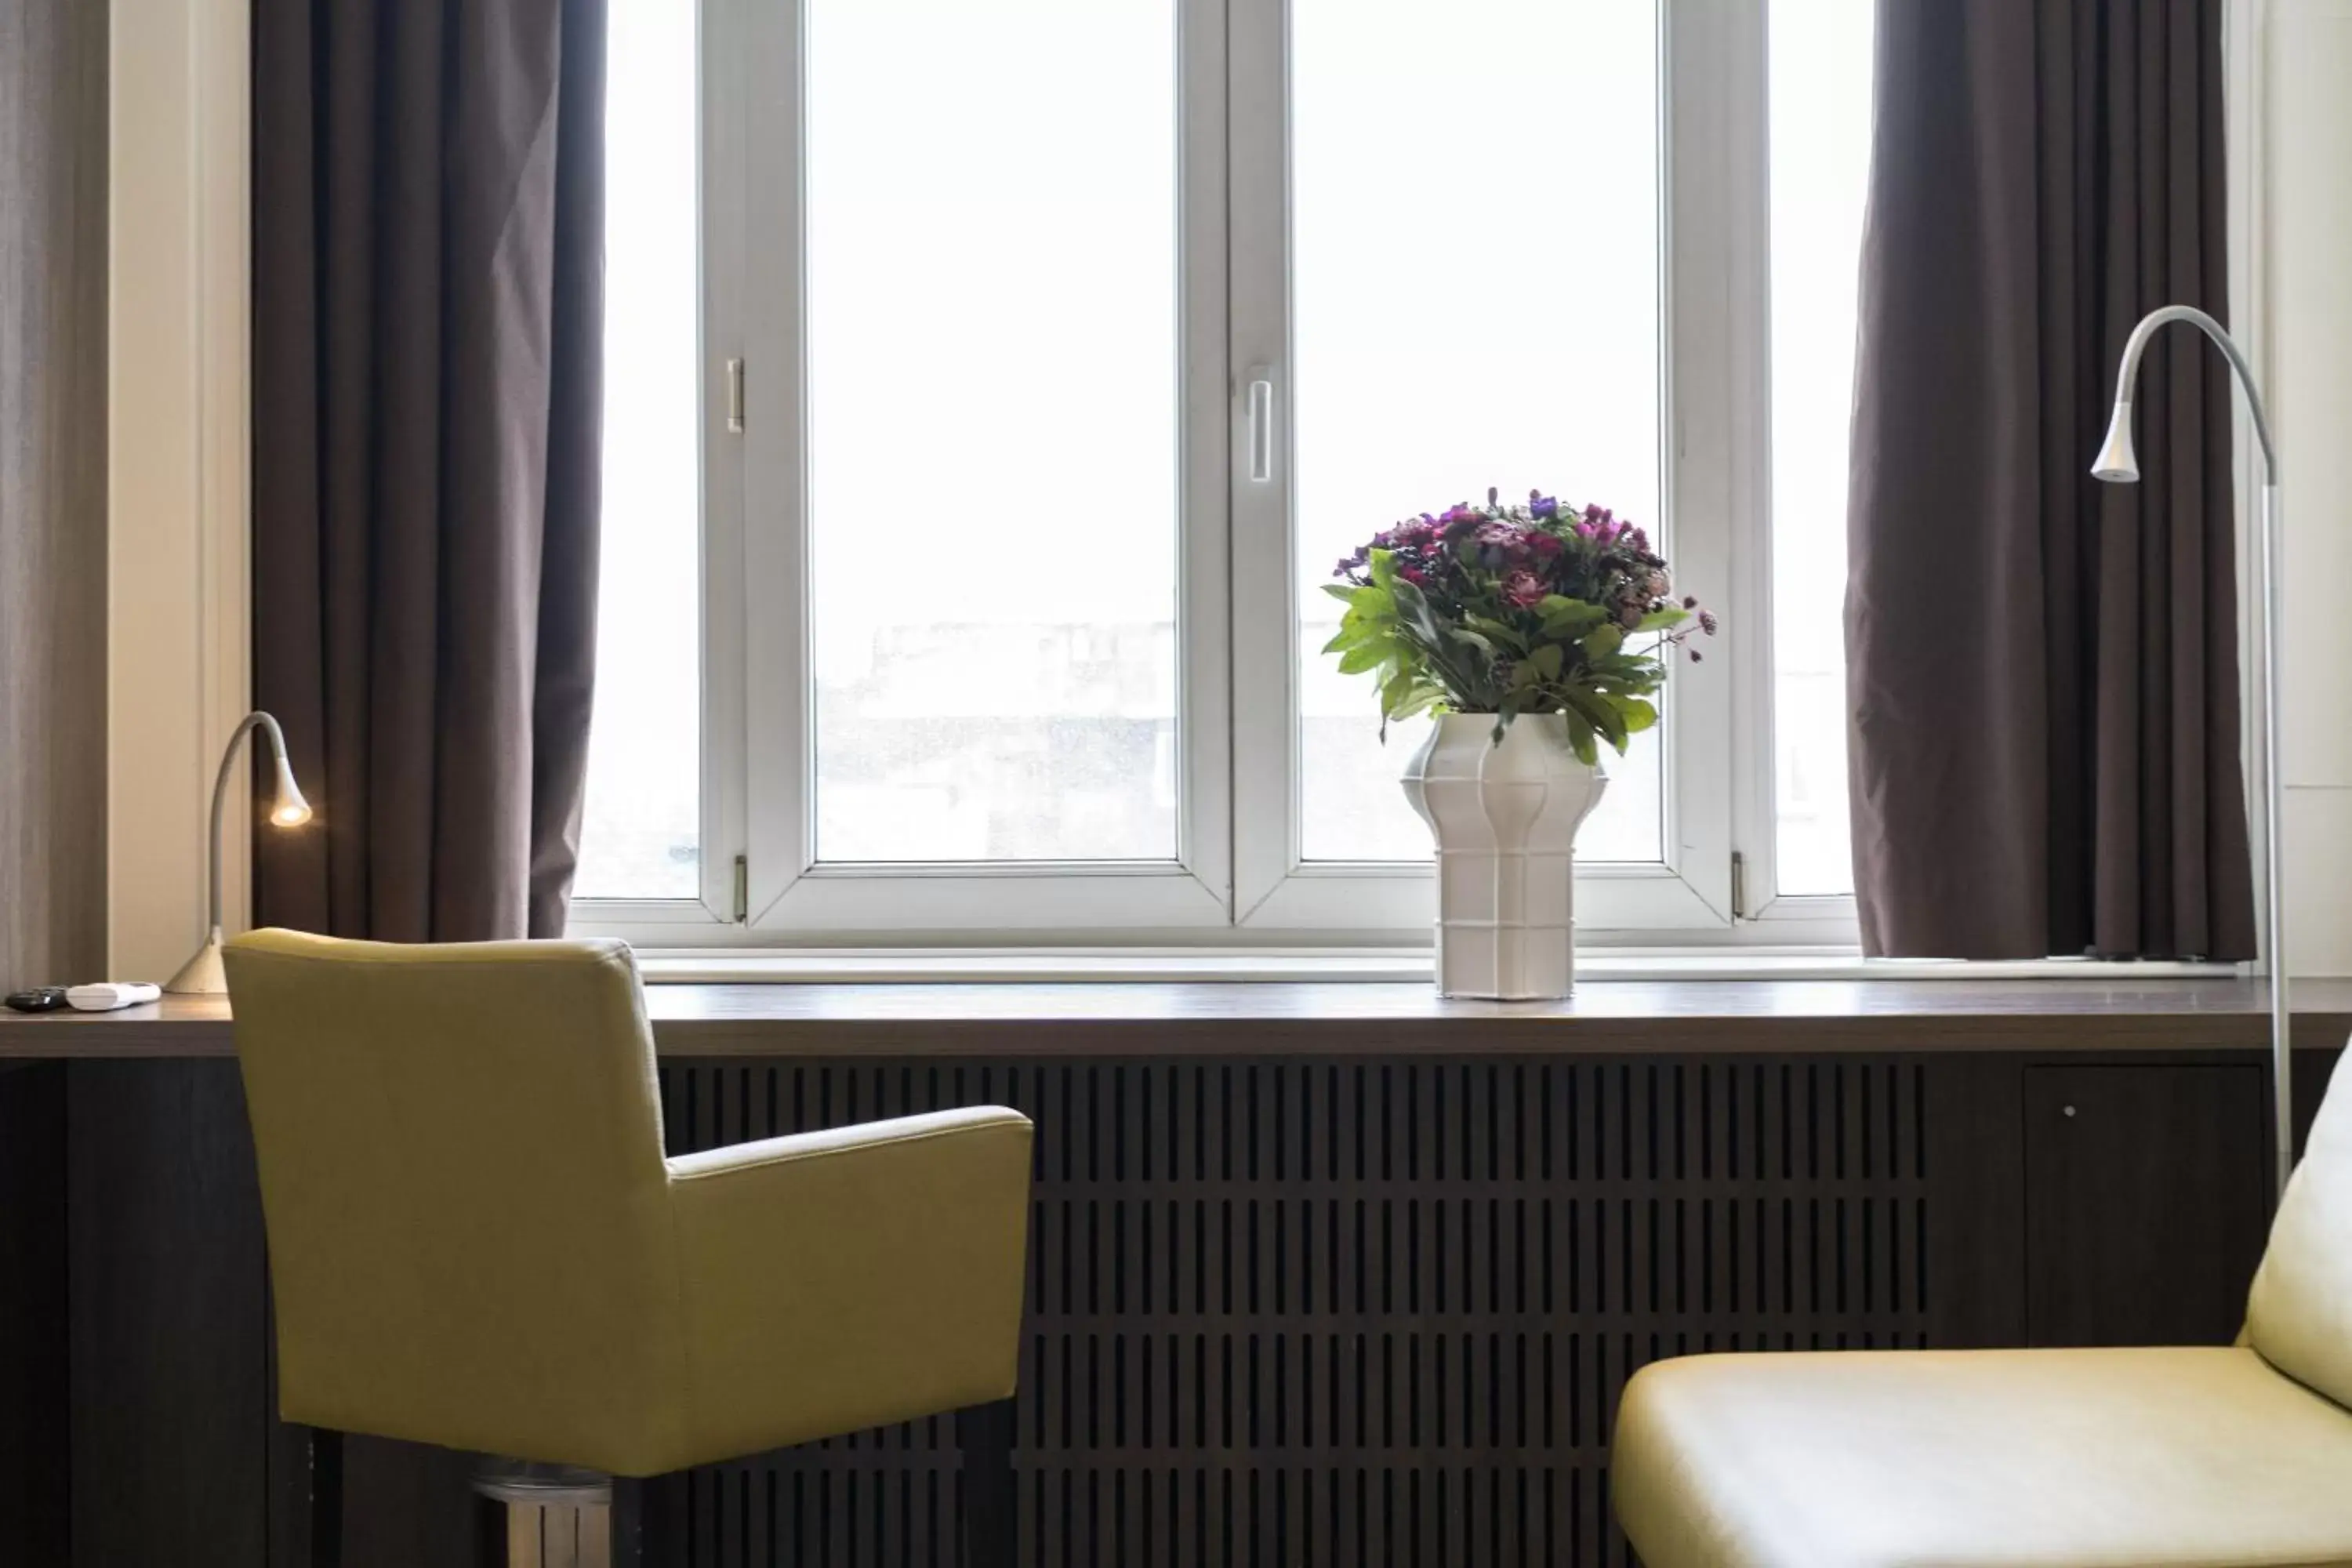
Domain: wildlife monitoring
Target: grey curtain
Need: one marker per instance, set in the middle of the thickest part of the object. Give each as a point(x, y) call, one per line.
point(2042, 669)
point(427, 235)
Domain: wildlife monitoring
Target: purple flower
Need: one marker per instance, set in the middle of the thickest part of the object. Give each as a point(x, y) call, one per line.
point(1542, 505)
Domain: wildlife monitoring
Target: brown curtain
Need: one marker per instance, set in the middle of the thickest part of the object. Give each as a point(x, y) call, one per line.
point(427, 235)
point(2042, 669)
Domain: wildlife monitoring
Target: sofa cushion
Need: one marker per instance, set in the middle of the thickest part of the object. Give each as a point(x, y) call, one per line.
point(2299, 1315)
point(2170, 1459)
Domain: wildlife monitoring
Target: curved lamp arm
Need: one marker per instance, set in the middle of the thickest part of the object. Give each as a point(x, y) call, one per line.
point(291, 811)
point(2117, 463)
point(201, 974)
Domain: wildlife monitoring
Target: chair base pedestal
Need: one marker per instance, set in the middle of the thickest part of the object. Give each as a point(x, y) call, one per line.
point(529, 1515)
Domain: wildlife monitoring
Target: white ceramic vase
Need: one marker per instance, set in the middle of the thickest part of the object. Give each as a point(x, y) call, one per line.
point(1504, 815)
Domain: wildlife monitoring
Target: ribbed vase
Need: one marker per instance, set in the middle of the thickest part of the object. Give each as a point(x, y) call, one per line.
point(1504, 817)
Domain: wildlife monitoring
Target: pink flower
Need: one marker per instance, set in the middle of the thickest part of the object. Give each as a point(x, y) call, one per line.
point(1523, 588)
point(1414, 575)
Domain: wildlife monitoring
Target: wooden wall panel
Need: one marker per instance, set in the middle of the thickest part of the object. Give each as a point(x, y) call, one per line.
point(53, 141)
point(2147, 1196)
point(53, 260)
point(1280, 1311)
point(1314, 1313)
point(169, 1353)
point(34, 1475)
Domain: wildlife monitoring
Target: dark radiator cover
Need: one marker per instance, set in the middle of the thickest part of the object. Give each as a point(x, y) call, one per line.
point(1292, 1313)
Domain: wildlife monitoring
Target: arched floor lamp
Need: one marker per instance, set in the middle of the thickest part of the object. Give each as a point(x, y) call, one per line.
point(2117, 463)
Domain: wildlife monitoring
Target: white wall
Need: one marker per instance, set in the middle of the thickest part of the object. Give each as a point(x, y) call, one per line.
point(177, 469)
point(2304, 320)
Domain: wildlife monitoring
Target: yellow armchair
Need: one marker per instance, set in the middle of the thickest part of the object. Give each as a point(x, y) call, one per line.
point(2186, 1456)
point(474, 1240)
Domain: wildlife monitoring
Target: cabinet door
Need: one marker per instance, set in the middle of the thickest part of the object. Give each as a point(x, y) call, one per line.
point(2146, 1202)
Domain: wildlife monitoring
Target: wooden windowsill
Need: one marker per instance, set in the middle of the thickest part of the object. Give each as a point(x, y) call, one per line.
point(1359, 1019)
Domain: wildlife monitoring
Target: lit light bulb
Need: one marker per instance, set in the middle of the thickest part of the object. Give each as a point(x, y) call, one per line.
point(291, 810)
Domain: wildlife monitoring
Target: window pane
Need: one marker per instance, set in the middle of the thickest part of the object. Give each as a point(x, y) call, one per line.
point(992, 417)
point(640, 837)
point(1820, 91)
point(1475, 288)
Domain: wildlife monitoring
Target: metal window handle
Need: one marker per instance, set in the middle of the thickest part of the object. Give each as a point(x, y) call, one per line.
point(1261, 425)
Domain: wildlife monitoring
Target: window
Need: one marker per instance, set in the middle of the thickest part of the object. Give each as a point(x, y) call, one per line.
point(989, 389)
point(642, 831)
point(1819, 97)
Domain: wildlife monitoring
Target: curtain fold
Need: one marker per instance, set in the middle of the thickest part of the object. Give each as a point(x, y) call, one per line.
point(2042, 669)
point(427, 234)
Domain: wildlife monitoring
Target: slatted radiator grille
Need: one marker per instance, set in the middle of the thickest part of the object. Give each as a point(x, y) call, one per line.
point(1294, 1313)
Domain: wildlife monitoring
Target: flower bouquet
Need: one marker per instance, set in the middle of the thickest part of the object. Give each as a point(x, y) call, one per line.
point(1533, 608)
point(1533, 633)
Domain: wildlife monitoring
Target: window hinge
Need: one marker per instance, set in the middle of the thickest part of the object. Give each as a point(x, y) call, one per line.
point(1739, 885)
point(735, 397)
point(742, 889)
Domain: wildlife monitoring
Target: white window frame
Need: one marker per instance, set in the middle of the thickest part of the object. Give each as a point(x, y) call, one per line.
point(1238, 878)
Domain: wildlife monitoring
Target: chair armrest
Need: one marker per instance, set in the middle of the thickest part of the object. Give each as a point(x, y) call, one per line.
point(836, 1280)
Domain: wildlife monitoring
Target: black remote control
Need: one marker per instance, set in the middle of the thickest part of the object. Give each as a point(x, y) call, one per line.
point(41, 999)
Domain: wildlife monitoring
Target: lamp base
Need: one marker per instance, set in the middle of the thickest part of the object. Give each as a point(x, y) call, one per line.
point(202, 976)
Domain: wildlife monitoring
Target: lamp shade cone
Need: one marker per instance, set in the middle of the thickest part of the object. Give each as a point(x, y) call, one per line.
point(2117, 463)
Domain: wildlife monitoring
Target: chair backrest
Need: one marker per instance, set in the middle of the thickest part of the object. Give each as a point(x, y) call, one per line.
point(2299, 1316)
point(460, 1152)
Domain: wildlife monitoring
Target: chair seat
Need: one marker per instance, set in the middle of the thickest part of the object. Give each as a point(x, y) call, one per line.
point(2158, 1458)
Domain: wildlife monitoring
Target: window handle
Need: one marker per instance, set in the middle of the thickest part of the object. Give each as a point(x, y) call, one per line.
point(1261, 425)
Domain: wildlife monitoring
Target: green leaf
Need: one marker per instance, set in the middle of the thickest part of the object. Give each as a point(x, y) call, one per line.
point(1566, 617)
point(1662, 618)
point(1509, 637)
point(1371, 601)
point(1596, 710)
point(1602, 642)
point(1422, 698)
point(1369, 656)
point(1579, 739)
point(1639, 715)
point(1396, 692)
point(1546, 661)
point(1343, 592)
point(1383, 563)
point(1471, 639)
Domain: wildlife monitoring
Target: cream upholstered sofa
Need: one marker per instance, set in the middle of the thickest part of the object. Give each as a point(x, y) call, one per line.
point(2178, 1458)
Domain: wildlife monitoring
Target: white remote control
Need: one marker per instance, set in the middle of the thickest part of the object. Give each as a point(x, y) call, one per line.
point(107, 995)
